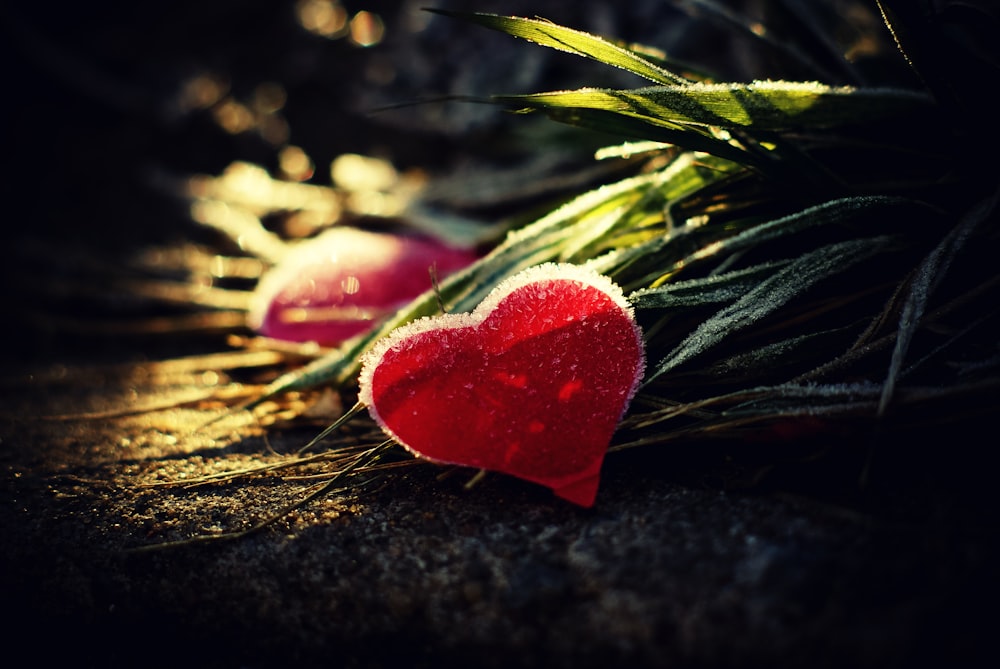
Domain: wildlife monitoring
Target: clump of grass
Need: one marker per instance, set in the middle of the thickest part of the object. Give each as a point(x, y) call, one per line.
point(805, 252)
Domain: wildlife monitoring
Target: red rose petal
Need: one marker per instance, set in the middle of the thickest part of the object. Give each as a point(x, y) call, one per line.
point(532, 383)
point(345, 281)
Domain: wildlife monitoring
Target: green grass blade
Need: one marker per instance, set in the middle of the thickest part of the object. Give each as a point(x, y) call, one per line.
point(928, 275)
point(737, 236)
point(768, 296)
point(715, 289)
point(572, 41)
point(690, 137)
point(767, 106)
point(778, 356)
point(642, 217)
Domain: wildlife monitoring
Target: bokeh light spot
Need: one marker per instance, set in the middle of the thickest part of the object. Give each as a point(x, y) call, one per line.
point(233, 117)
point(269, 97)
point(295, 164)
point(367, 29)
point(322, 17)
point(201, 92)
point(355, 172)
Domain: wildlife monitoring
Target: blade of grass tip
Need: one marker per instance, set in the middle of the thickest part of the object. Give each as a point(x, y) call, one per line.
point(918, 42)
point(927, 276)
point(347, 416)
point(437, 99)
point(363, 460)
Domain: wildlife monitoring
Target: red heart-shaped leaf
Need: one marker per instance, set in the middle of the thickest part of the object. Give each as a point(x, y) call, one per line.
point(532, 383)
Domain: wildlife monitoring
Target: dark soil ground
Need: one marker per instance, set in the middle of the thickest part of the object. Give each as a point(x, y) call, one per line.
point(865, 553)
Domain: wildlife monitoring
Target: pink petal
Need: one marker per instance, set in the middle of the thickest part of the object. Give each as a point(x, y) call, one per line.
point(345, 281)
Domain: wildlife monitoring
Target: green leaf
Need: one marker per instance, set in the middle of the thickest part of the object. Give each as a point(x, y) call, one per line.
point(715, 289)
point(692, 138)
point(725, 241)
point(572, 41)
point(761, 105)
point(769, 295)
point(777, 356)
point(928, 275)
point(791, 399)
point(642, 217)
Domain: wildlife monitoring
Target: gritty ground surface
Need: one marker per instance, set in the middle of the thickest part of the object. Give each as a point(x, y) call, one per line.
point(415, 570)
point(682, 562)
